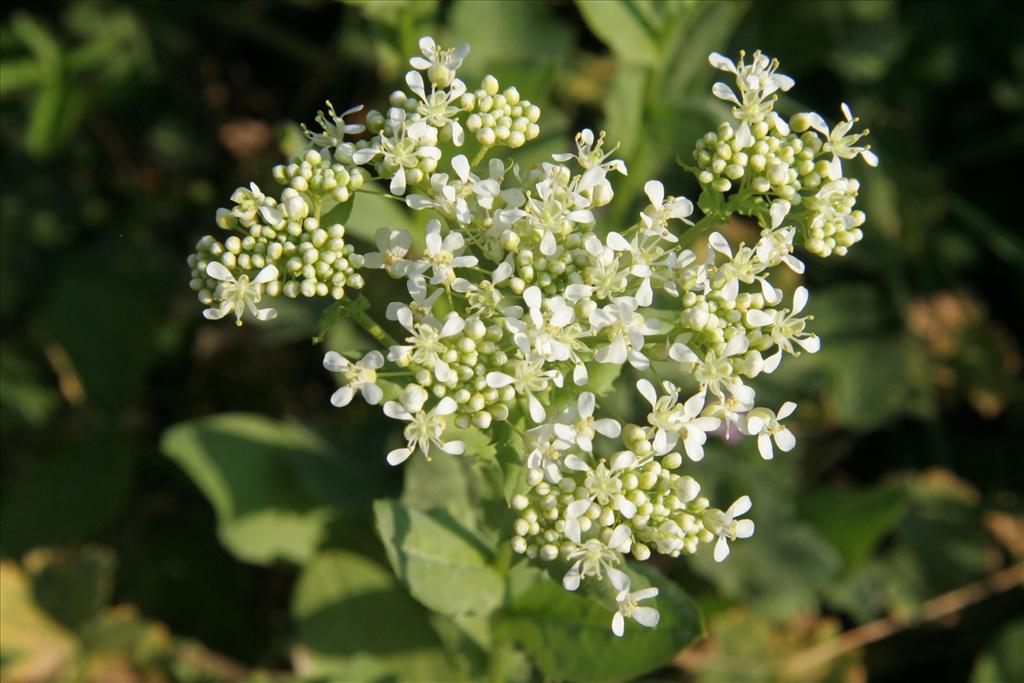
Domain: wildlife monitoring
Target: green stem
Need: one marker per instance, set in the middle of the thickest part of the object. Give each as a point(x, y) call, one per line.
point(480, 156)
point(371, 326)
point(701, 227)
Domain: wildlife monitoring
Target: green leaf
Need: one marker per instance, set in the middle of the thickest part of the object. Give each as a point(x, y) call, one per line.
point(854, 521)
point(72, 586)
point(621, 27)
point(511, 456)
point(624, 105)
point(443, 564)
point(354, 622)
point(369, 211)
point(569, 635)
point(1003, 660)
point(68, 495)
point(266, 480)
point(509, 31)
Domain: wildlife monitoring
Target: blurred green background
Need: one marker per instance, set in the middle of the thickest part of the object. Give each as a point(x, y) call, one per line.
point(889, 543)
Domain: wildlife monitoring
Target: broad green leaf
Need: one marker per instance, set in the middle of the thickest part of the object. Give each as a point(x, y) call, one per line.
point(68, 495)
point(621, 26)
point(354, 622)
point(371, 210)
point(568, 635)
point(854, 520)
point(443, 564)
point(508, 31)
point(265, 479)
point(72, 586)
point(624, 106)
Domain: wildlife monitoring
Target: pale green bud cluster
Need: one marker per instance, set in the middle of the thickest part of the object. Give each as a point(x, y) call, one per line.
point(500, 118)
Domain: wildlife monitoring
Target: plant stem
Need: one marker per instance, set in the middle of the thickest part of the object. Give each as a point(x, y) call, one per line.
point(371, 326)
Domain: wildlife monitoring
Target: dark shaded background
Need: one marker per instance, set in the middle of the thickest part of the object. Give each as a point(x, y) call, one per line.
point(124, 126)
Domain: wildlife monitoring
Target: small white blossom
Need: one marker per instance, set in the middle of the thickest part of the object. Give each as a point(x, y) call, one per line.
point(240, 296)
point(439, 63)
point(727, 528)
point(360, 376)
point(765, 424)
point(424, 430)
point(627, 607)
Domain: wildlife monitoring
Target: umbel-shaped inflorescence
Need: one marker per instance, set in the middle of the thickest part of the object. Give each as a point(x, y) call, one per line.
point(516, 295)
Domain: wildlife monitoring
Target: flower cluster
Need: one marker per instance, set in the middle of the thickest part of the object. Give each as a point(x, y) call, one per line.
point(766, 158)
point(517, 297)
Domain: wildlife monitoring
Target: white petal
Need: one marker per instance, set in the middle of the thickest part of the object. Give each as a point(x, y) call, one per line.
point(574, 462)
point(758, 318)
point(454, 448)
point(572, 530)
point(571, 580)
point(461, 165)
point(446, 406)
point(335, 362)
point(618, 579)
point(737, 345)
point(585, 404)
point(342, 397)
point(785, 440)
point(741, 506)
point(618, 624)
point(266, 314)
point(537, 413)
point(627, 508)
point(577, 508)
point(786, 410)
point(655, 191)
point(619, 537)
point(268, 274)
point(645, 593)
point(497, 380)
point(721, 549)
point(647, 390)
point(646, 616)
point(779, 210)
point(607, 427)
point(722, 62)
point(764, 446)
point(372, 394)
point(719, 244)
point(744, 528)
point(724, 92)
point(398, 456)
point(617, 242)
point(218, 271)
point(799, 299)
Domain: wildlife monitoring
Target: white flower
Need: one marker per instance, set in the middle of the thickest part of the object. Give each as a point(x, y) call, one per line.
point(603, 484)
point(530, 378)
point(595, 558)
point(417, 310)
point(240, 295)
point(757, 82)
point(548, 330)
point(657, 215)
point(627, 608)
point(841, 143)
point(727, 527)
point(765, 424)
point(361, 376)
point(715, 372)
point(582, 427)
point(424, 429)
point(411, 143)
point(776, 243)
point(436, 108)
point(440, 64)
point(393, 246)
point(673, 421)
point(334, 127)
point(625, 329)
point(545, 451)
point(427, 348)
point(786, 328)
point(443, 256)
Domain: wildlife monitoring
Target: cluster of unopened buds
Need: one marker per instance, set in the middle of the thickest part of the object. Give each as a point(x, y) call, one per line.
point(516, 294)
